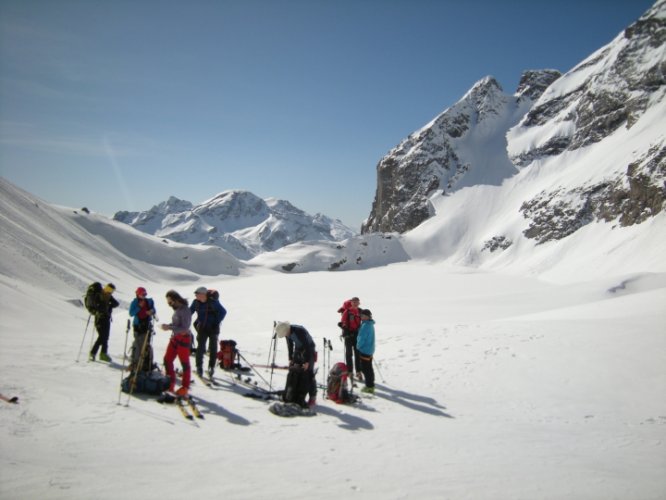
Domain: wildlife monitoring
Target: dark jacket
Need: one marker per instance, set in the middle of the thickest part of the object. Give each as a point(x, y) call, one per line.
point(300, 345)
point(106, 305)
point(209, 314)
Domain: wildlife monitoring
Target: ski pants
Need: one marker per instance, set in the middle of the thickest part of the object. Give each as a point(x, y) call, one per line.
point(179, 346)
point(103, 327)
point(367, 369)
point(207, 336)
point(351, 354)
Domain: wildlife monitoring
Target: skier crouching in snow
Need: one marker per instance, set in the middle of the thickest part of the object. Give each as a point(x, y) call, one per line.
point(179, 344)
point(366, 348)
point(301, 348)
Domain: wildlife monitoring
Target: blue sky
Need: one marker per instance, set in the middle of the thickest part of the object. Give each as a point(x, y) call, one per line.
point(117, 105)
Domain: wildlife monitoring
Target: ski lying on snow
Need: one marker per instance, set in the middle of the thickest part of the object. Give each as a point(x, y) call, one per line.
point(257, 391)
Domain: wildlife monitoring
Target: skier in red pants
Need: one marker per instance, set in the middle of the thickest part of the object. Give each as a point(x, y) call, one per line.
point(179, 345)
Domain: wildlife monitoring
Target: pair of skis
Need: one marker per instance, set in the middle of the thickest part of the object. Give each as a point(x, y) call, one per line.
point(186, 405)
point(188, 408)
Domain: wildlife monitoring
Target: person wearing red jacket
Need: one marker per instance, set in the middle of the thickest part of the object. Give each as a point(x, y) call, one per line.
point(350, 322)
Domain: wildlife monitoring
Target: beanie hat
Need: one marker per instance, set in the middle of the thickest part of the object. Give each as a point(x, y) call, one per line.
point(366, 312)
point(201, 289)
point(282, 328)
point(141, 292)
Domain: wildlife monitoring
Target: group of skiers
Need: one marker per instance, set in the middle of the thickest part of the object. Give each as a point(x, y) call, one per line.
point(209, 315)
point(357, 332)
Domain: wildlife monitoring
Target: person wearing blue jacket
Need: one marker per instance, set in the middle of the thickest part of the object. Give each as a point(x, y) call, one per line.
point(210, 314)
point(365, 344)
point(142, 309)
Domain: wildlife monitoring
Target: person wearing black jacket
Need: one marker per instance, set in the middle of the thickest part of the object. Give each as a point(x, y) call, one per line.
point(103, 313)
point(210, 314)
point(302, 358)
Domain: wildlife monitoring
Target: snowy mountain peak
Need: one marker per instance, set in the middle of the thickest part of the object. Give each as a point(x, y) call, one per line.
point(463, 146)
point(533, 83)
point(238, 221)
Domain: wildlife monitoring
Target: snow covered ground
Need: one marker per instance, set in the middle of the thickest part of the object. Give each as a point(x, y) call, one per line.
point(492, 386)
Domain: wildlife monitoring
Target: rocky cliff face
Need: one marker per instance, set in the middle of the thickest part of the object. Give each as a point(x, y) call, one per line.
point(238, 221)
point(614, 90)
point(465, 145)
point(590, 143)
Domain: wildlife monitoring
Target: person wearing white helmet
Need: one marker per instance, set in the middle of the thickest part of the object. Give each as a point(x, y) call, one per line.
point(302, 358)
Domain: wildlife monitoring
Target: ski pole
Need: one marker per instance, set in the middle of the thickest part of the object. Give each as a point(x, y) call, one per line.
point(378, 370)
point(92, 336)
point(251, 366)
point(270, 349)
point(323, 361)
point(135, 373)
point(84, 338)
point(274, 343)
point(120, 391)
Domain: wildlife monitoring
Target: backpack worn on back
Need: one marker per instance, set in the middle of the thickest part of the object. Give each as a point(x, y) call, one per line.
point(93, 297)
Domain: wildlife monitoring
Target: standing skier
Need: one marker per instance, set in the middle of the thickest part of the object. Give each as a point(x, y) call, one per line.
point(179, 344)
point(210, 314)
point(350, 322)
point(103, 310)
point(143, 310)
point(366, 349)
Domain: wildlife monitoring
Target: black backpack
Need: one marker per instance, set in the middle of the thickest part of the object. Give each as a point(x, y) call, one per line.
point(93, 297)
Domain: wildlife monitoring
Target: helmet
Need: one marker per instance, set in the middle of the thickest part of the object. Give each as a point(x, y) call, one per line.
point(141, 292)
point(282, 328)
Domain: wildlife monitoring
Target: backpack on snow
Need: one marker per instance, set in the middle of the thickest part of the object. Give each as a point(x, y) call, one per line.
point(227, 354)
point(153, 383)
point(336, 387)
point(93, 297)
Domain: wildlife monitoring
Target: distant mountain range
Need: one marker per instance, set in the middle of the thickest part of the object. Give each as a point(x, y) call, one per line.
point(238, 221)
point(566, 175)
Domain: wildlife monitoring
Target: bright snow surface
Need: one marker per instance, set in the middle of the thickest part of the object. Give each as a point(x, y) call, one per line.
point(492, 385)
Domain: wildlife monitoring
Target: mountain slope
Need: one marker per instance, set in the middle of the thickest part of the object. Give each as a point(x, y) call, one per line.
point(612, 102)
point(52, 247)
point(588, 186)
point(464, 146)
